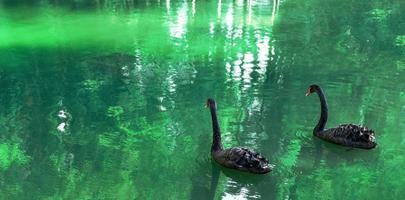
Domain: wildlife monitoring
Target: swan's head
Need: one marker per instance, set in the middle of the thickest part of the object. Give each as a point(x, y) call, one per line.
point(312, 89)
point(211, 103)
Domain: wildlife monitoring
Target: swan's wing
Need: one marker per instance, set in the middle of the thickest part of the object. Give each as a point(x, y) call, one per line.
point(353, 132)
point(245, 157)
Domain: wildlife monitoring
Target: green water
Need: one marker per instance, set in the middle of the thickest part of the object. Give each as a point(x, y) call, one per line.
point(105, 99)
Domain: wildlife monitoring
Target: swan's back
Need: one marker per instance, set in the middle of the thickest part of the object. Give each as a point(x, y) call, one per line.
point(350, 135)
point(243, 159)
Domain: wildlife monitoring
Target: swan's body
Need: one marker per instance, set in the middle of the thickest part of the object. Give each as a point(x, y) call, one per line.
point(238, 158)
point(350, 135)
point(242, 159)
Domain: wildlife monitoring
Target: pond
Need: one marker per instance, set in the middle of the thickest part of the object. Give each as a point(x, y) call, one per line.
point(104, 99)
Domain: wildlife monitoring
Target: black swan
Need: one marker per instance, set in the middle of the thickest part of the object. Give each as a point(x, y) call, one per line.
point(350, 135)
point(238, 158)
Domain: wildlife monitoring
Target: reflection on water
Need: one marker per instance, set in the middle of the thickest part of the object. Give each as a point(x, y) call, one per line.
point(178, 28)
point(105, 100)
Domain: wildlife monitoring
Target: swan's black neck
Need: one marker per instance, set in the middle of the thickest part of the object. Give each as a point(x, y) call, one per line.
point(216, 138)
point(324, 112)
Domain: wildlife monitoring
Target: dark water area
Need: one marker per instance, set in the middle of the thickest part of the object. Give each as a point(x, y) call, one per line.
point(105, 99)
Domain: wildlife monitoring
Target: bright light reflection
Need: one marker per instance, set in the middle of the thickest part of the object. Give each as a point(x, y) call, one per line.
point(168, 5)
point(193, 7)
point(229, 21)
point(161, 106)
point(171, 84)
point(237, 72)
point(243, 194)
point(238, 33)
point(274, 11)
point(249, 11)
point(273, 53)
point(219, 9)
point(64, 117)
point(237, 62)
point(178, 29)
point(228, 67)
point(212, 28)
point(263, 54)
point(247, 69)
point(62, 114)
point(248, 58)
point(62, 127)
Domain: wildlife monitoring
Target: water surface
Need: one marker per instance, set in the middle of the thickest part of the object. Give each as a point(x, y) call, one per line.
point(105, 99)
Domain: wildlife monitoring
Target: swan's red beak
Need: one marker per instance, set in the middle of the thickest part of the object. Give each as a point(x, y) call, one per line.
point(308, 92)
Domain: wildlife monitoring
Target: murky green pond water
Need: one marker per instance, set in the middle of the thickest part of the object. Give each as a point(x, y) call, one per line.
point(105, 99)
